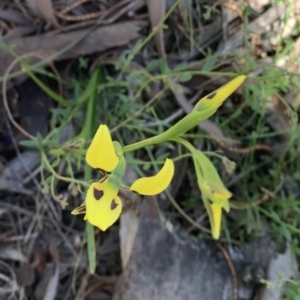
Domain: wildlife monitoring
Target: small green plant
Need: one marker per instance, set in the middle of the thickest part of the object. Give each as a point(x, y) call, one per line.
point(292, 290)
point(291, 287)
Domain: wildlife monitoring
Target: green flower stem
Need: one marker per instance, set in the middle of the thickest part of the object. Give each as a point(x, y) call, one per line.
point(156, 162)
point(163, 137)
point(185, 143)
point(45, 88)
point(188, 122)
point(82, 98)
point(86, 133)
point(141, 144)
point(151, 141)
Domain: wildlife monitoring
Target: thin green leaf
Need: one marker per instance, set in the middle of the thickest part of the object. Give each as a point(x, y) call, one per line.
point(209, 64)
point(186, 76)
point(30, 144)
point(46, 89)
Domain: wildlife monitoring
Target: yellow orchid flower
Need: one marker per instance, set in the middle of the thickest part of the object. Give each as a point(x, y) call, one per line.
point(215, 195)
point(102, 206)
point(215, 200)
point(219, 201)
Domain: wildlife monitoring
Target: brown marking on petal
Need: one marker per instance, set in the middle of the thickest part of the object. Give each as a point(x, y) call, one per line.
point(103, 179)
point(98, 194)
point(113, 204)
point(210, 96)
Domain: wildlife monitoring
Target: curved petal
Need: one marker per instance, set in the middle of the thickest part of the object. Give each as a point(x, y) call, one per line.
point(155, 184)
point(216, 98)
point(217, 218)
point(103, 206)
point(101, 152)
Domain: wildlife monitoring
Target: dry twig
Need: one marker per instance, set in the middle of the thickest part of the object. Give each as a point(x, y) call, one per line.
point(245, 150)
point(232, 271)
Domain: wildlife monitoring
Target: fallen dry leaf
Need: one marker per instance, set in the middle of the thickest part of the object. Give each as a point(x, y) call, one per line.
point(25, 275)
point(9, 252)
point(129, 221)
point(11, 179)
point(258, 5)
point(51, 290)
point(156, 11)
point(258, 26)
point(18, 32)
point(43, 9)
point(2, 211)
point(129, 224)
point(14, 16)
point(101, 39)
point(46, 289)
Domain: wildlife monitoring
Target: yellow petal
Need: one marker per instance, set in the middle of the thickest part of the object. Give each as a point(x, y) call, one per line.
point(216, 98)
point(101, 153)
point(155, 184)
point(103, 206)
point(217, 218)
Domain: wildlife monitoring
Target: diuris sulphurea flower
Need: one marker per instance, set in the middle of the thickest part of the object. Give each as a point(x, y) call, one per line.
point(102, 205)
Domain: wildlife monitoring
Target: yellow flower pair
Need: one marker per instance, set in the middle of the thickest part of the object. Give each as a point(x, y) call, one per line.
point(103, 206)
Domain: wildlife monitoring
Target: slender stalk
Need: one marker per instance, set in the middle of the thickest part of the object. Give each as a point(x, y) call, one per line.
point(86, 133)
